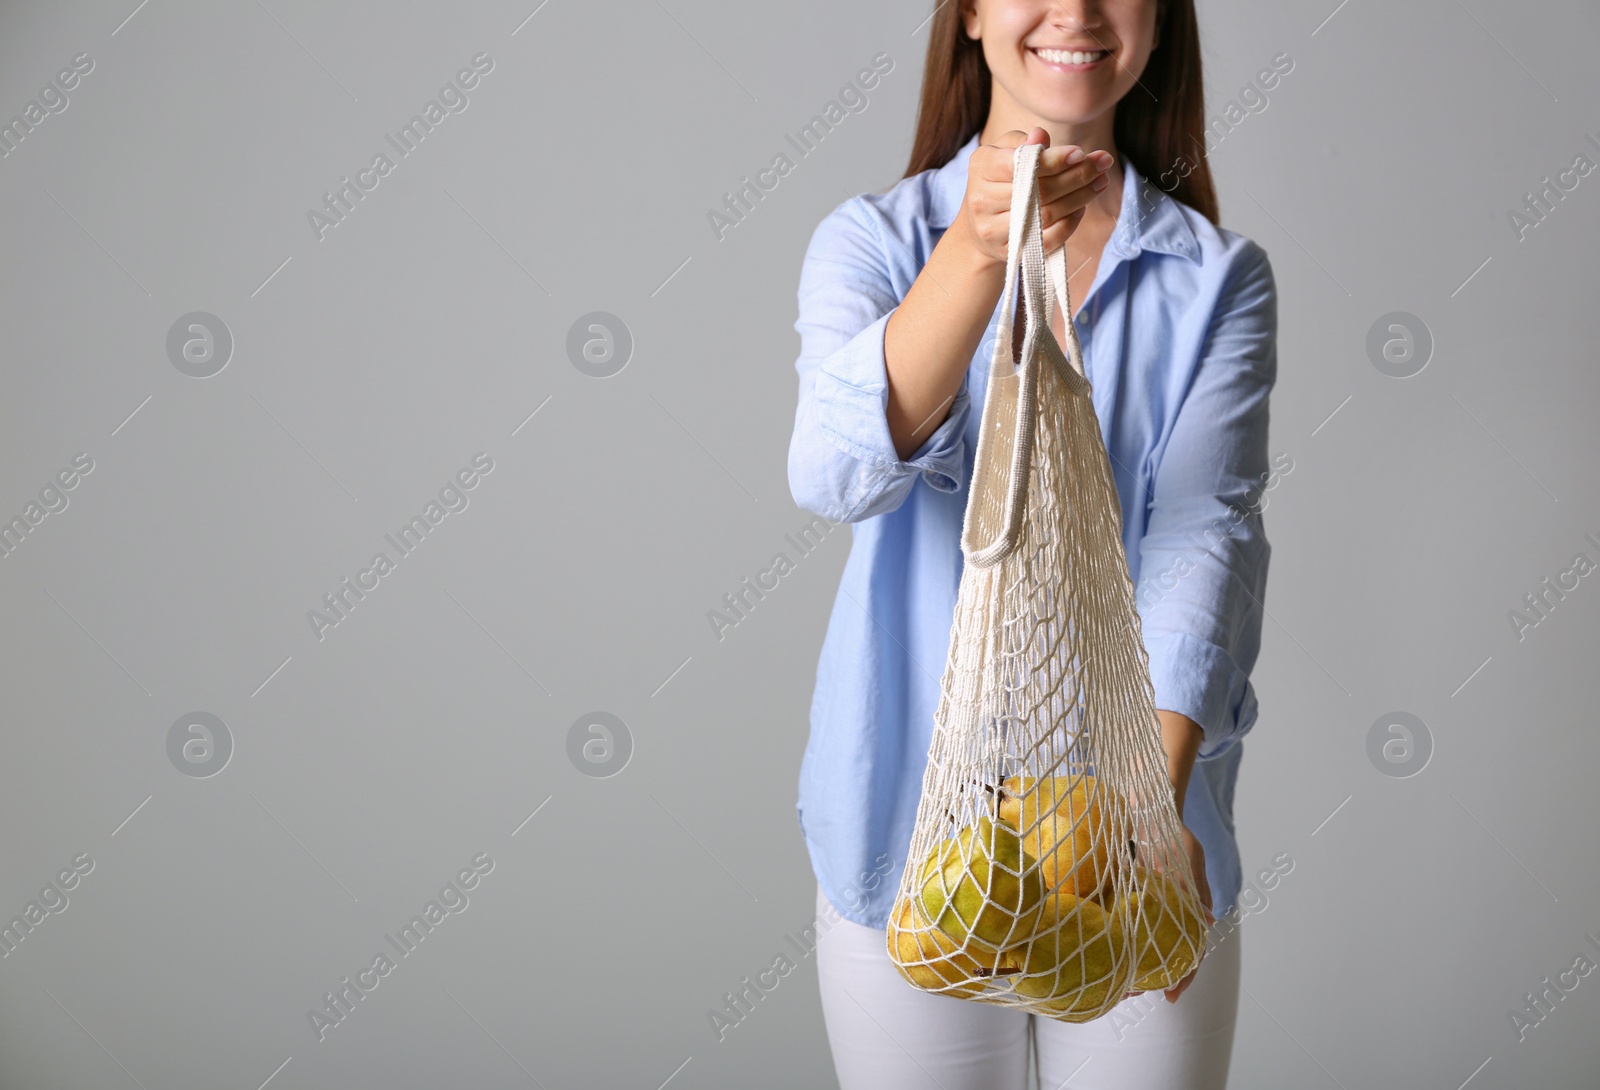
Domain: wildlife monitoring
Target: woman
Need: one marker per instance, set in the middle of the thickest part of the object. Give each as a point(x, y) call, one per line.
point(1178, 321)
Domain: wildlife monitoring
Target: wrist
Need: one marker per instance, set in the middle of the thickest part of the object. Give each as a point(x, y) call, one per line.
point(962, 244)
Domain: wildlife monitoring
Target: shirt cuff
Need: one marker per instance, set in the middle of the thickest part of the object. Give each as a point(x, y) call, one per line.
point(852, 398)
point(1198, 679)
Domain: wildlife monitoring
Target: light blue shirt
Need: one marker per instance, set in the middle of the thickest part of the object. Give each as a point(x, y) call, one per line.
point(1179, 334)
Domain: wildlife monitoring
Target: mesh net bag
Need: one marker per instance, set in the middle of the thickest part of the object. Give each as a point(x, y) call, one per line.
point(1047, 869)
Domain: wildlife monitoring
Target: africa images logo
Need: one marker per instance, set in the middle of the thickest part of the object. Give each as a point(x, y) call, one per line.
point(344, 598)
point(452, 99)
point(852, 99)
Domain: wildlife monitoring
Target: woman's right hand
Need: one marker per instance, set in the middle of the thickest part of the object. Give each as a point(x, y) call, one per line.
point(1068, 180)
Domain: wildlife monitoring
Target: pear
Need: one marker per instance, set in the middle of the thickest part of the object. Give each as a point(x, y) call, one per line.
point(1057, 908)
point(981, 889)
point(1080, 968)
point(1168, 933)
point(1068, 823)
point(926, 957)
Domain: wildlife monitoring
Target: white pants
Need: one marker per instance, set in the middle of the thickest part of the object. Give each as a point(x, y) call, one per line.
point(888, 1035)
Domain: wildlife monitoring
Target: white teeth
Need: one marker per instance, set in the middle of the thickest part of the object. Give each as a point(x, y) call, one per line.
point(1062, 56)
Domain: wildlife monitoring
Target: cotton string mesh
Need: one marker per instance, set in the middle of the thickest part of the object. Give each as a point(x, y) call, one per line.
point(1046, 869)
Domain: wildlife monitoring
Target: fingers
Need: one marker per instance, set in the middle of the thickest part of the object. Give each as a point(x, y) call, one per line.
point(993, 162)
point(1182, 986)
point(1069, 179)
point(1076, 199)
point(1057, 176)
point(1060, 217)
point(1016, 138)
point(1056, 231)
point(1062, 156)
point(1203, 887)
point(1066, 194)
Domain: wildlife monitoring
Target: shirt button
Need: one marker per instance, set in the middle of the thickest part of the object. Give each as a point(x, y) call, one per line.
point(1083, 318)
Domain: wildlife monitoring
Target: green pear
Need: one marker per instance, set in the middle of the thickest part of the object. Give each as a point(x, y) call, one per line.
point(1169, 936)
point(1079, 965)
point(981, 886)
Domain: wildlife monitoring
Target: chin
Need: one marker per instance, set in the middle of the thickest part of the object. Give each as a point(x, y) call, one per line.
point(1072, 111)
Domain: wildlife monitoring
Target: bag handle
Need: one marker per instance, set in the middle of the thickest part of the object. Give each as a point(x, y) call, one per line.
point(1024, 252)
point(1029, 232)
point(1056, 265)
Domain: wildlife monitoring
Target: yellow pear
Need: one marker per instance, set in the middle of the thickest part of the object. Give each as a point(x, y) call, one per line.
point(927, 957)
point(1057, 908)
point(1066, 822)
point(1169, 937)
point(1079, 966)
point(981, 889)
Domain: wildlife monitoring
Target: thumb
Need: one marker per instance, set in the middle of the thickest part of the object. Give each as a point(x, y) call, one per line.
point(1038, 135)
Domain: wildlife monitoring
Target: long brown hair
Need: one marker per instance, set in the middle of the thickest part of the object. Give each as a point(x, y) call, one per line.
point(1160, 123)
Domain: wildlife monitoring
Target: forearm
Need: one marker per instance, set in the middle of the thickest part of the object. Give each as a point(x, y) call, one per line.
point(1180, 737)
point(930, 338)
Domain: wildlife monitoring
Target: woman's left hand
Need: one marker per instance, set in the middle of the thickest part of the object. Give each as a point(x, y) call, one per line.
point(1181, 738)
point(1197, 863)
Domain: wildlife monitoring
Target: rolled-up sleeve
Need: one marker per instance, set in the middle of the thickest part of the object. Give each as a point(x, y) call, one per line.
point(1204, 554)
point(842, 461)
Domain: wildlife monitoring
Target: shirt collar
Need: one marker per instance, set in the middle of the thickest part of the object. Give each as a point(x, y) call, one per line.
point(1149, 219)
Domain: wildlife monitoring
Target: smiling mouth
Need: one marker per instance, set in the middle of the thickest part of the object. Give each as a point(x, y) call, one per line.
point(1071, 58)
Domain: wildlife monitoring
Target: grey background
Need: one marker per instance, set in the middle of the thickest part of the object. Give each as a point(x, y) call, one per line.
point(370, 767)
